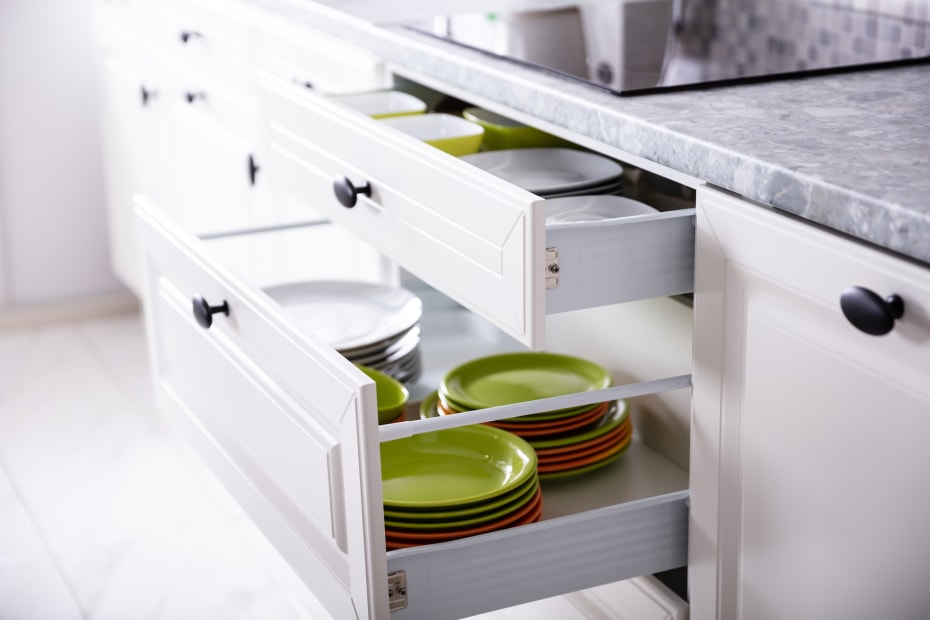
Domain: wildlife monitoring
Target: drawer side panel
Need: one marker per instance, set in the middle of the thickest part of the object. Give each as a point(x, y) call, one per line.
point(501, 569)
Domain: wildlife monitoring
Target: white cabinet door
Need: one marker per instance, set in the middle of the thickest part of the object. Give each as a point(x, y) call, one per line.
point(808, 457)
point(216, 171)
point(277, 414)
point(132, 118)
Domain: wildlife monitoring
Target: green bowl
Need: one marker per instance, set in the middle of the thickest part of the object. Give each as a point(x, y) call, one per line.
point(502, 133)
point(392, 395)
point(447, 132)
point(382, 103)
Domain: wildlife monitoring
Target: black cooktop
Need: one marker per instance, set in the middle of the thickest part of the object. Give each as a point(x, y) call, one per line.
point(643, 46)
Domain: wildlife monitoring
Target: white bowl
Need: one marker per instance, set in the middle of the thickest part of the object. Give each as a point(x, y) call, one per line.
point(452, 134)
point(382, 103)
point(593, 208)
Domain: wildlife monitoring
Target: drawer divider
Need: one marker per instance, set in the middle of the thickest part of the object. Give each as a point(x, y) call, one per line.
point(389, 432)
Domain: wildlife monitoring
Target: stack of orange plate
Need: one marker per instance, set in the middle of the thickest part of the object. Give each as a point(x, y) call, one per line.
point(568, 441)
point(458, 482)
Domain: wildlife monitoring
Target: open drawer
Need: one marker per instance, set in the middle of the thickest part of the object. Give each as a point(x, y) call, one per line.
point(476, 237)
point(290, 427)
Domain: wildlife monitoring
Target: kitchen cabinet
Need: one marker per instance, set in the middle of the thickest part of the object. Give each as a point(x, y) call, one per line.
point(799, 420)
point(134, 124)
point(807, 460)
point(291, 427)
point(181, 122)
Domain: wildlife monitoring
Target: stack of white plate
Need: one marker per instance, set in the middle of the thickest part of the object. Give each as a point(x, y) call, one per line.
point(373, 325)
point(553, 172)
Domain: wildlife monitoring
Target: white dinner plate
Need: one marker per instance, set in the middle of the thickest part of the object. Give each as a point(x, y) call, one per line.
point(593, 209)
point(548, 170)
point(348, 314)
point(615, 188)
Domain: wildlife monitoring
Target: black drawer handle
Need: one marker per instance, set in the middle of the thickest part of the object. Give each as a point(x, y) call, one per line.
point(347, 193)
point(192, 96)
point(870, 313)
point(204, 312)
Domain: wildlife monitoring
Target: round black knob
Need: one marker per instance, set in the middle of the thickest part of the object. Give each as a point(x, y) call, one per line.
point(192, 96)
point(187, 35)
point(147, 95)
point(870, 313)
point(347, 193)
point(204, 312)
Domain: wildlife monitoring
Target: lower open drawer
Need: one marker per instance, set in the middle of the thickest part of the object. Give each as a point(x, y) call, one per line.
point(290, 428)
point(628, 520)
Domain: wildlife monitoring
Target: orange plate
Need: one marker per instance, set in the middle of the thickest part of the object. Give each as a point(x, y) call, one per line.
point(571, 447)
point(611, 439)
point(397, 536)
point(532, 517)
point(588, 460)
point(555, 426)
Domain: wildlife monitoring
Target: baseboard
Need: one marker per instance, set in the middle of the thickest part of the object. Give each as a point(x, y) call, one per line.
point(32, 315)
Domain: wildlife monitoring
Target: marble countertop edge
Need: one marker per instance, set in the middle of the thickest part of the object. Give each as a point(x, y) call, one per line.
point(666, 129)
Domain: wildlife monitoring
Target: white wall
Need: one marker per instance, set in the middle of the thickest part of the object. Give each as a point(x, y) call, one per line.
point(53, 242)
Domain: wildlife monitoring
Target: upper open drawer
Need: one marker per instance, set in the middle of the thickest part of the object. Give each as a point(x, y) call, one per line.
point(478, 238)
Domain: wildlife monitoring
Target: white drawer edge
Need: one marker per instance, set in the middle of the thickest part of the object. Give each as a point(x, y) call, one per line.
point(505, 568)
point(621, 260)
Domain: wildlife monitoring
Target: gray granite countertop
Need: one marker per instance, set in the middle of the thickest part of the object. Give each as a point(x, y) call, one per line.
point(849, 151)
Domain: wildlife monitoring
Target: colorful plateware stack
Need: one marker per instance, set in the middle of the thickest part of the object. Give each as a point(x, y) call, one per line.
point(567, 441)
point(370, 324)
point(454, 483)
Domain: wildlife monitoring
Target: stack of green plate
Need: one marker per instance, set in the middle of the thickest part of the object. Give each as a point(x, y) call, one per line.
point(458, 482)
point(568, 441)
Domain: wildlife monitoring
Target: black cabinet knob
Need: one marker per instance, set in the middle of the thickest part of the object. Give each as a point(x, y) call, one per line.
point(147, 95)
point(204, 312)
point(187, 35)
point(347, 193)
point(192, 96)
point(870, 313)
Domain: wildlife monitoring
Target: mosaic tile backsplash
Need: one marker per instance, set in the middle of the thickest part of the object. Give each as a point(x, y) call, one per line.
point(734, 38)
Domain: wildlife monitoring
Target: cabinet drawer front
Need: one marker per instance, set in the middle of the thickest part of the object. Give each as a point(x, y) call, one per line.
point(285, 412)
point(316, 60)
point(477, 238)
point(208, 35)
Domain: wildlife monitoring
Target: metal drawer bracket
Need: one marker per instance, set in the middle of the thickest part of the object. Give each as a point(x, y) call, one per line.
point(552, 268)
point(397, 590)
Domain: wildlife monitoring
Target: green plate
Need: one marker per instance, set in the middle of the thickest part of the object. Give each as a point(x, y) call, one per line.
point(517, 377)
point(454, 467)
point(526, 493)
point(392, 395)
point(436, 514)
point(543, 416)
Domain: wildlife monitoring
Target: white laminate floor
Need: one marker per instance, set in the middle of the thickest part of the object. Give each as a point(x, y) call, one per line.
point(104, 514)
